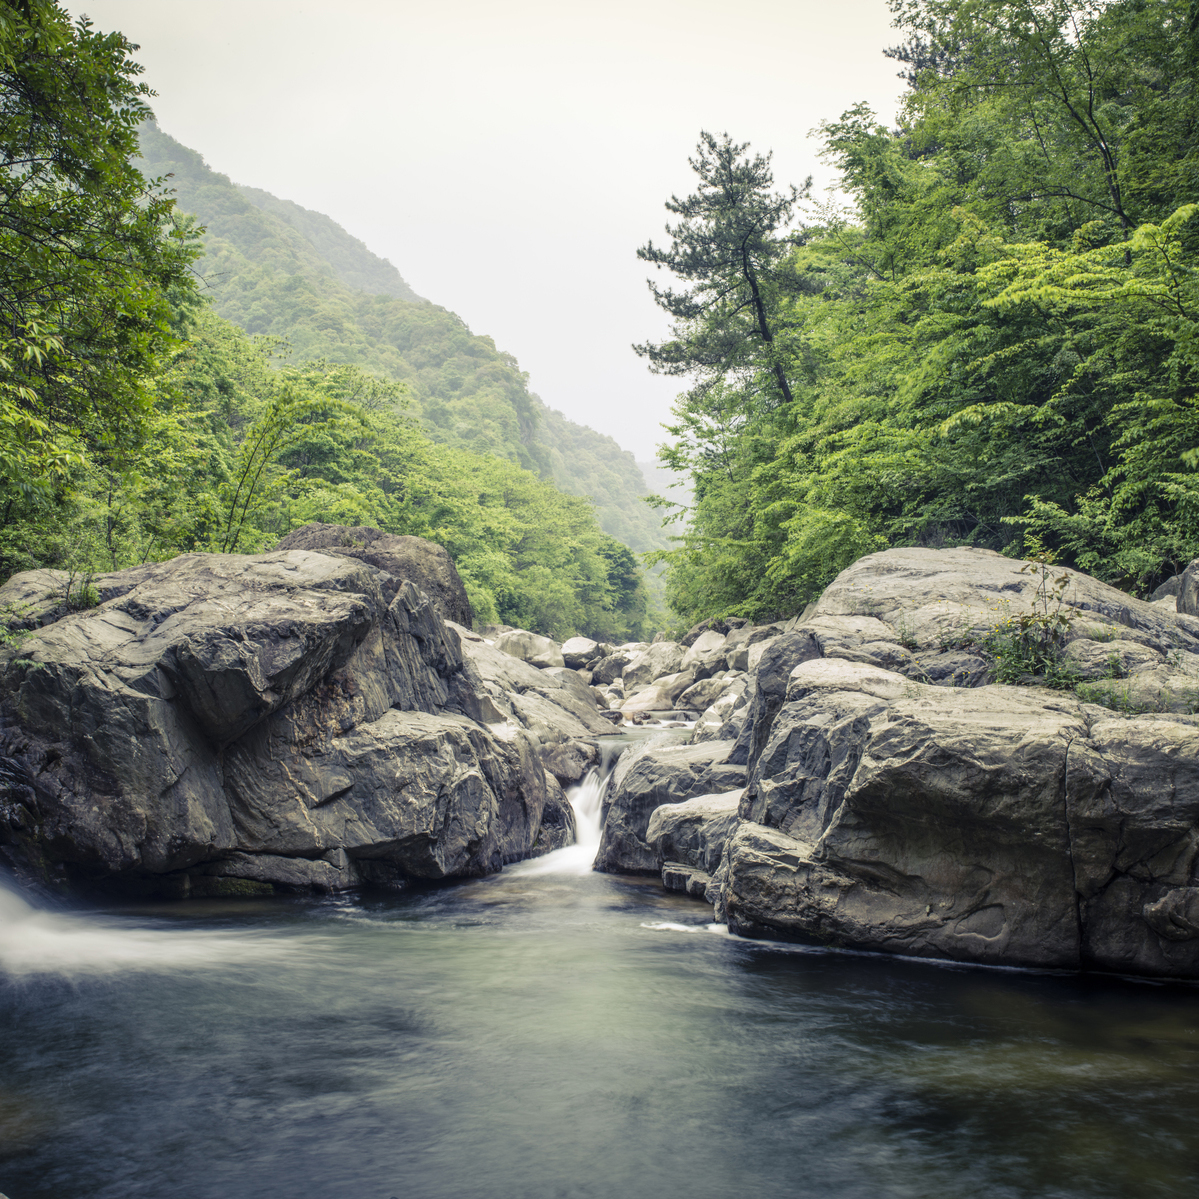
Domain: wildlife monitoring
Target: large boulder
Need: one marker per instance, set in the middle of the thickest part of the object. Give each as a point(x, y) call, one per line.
point(917, 820)
point(655, 773)
point(928, 600)
point(532, 648)
point(426, 565)
point(610, 668)
point(581, 652)
point(278, 707)
point(695, 831)
point(1004, 825)
point(658, 660)
point(660, 695)
point(897, 800)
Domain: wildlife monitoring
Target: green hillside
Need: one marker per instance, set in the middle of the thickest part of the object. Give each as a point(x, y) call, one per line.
point(277, 269)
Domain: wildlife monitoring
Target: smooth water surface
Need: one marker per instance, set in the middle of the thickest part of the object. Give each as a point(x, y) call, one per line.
point(550, 1032)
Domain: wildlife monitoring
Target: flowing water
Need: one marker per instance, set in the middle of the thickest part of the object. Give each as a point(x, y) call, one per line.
point(551, 1033)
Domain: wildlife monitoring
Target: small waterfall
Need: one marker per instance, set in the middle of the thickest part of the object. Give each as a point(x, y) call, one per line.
point(34, 941)
point(587, 800)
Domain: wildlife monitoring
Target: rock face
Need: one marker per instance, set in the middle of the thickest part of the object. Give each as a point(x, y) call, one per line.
point(644, 779)
point(1187, 592)
point(1003, 825)
point(690, 838)
point(898, 800)
point(274, 718)
point(423, 563)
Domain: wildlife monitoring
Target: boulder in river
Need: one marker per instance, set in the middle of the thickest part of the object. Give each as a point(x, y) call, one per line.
point(424, 564)
point(898, 800)
point(221, 714)
point(531, 648)
point(646, 777)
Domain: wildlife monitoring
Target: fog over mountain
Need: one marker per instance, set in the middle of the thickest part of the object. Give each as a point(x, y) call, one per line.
point(509, 160)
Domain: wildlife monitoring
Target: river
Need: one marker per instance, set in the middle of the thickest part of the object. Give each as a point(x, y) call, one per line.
point(551, 1033)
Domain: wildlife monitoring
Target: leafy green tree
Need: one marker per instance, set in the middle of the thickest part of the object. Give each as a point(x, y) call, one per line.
point(87, 253)
point(995, 340)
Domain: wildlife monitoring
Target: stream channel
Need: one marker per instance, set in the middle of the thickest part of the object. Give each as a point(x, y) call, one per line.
point(551, 1033)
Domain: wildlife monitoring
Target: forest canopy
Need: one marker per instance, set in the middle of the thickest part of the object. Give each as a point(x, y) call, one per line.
point(993, 342)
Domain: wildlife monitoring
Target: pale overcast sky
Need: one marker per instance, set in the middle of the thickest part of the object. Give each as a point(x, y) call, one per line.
point(509, 158)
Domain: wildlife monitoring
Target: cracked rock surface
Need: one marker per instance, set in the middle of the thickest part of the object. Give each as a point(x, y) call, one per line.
point(293, 719)
point(899, 800)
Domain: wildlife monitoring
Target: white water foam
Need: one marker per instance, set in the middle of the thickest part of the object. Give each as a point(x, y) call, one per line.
point(587, 799)
point(34, 941)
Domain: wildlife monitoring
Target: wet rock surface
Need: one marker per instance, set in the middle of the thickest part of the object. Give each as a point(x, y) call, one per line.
point(897, 799)
point(271, 718)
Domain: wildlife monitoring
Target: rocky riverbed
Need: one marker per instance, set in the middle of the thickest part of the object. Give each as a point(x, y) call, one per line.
point(323, 717)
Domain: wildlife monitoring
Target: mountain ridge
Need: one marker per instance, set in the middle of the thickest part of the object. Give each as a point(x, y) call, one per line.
point(277, 269)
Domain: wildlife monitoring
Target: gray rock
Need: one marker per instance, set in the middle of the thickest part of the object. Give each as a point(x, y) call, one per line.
point(694, 832)
point(702, 695)
point(938, 599)
point(677, 876)
point(999, 824)
point(1133, 803)
point(919, 820)
point(555, 716)
point(645, 778)
point(333, 872)
point(740, 641)
point(950, 669)
point(232, 716)
point(1167, 590)
point(1110, 659)
point(720, 714)
point(768, 689)
point(427, 566)
point(607, 670)
point(537, 700)
point(1188, 590)
point(663, 658)
point(558, 821)
point(714, 625)
point(705, 656)
point(569, 761)
point(531, 648)
point(1150, 689)
point(860, 639)
point(571, 682)
point(660, 695)
point(582, 651)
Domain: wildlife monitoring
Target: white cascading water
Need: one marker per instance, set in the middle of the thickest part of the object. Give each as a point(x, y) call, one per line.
point(35, 941)
point(587, 799)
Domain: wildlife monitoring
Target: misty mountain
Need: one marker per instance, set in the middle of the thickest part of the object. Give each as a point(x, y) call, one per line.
point(280, 270)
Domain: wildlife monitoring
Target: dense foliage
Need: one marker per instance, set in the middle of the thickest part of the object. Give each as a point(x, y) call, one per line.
point(995, 344)
point(136, 423)
point(277, 269)
point(88, 258)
